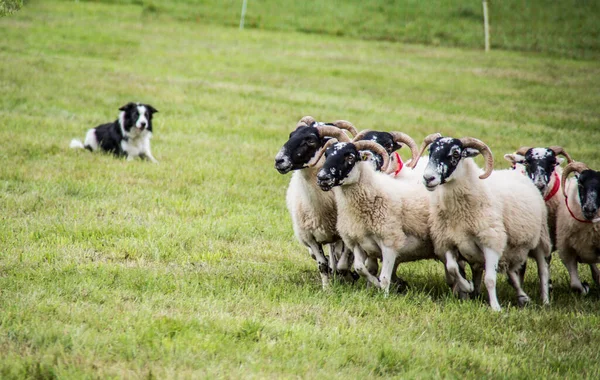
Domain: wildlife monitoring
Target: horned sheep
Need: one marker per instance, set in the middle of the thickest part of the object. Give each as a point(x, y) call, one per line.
point(578, 227)
point(483, 221)
point(377, 215)
point(313, 212)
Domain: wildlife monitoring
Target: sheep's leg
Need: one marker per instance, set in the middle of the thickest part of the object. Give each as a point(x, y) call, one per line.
point(334, 248)
point(568, 258)
point(388, 264)
point(343, 264)
point(399, 283)
point(541, 258)
point(548, 261)
point(454, 275)
point(453, 284)
point(477, 271)
point(317, 251)
point(491, 266)
point(359, 266)
point(595, 274)
point(514, 274)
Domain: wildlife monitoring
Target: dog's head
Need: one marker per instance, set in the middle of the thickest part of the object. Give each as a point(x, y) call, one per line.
point(136, 118)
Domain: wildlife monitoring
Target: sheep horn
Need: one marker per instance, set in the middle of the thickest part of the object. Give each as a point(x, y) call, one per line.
point(428, 140)
point(343, 124)
point(470, 142)
point(322, 151)
point(400, 137)
point(327, 130)
point(522, 150)
point(560, 150)
point(361, 135)
point(306, 121)
point(377, 148)
point(574, 166)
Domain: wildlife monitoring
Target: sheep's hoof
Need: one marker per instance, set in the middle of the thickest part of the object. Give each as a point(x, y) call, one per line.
point(463, 296)
point(324, 269)
point(585, 288)
point(523, 300)
point(470, 288)
point(400, 286)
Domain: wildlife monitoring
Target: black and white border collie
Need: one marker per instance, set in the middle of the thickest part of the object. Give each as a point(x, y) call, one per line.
point(129, 135)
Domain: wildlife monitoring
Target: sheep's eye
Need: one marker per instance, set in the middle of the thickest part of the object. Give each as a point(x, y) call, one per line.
point(455, 154)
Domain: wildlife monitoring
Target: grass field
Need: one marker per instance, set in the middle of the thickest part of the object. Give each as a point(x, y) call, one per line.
point(568, 28)
point(189, 268)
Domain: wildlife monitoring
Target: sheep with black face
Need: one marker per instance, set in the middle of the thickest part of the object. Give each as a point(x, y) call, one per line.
point(377, 216)
point(313, 212)
point(542, 166)
point(578, 227)
point(391, 141)
point(484, 220)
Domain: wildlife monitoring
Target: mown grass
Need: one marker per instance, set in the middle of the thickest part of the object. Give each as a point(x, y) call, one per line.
point(189, 268)
point(567, 28)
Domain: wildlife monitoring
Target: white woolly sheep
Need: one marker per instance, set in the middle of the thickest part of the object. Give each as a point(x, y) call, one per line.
point(484, 221)
point(578, 230)
point(313, 212)
point(377, 215)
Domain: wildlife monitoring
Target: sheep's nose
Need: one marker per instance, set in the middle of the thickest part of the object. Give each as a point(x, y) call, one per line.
point(279, 161)
point(143, 124)
point(589, 210)
point(428, 178)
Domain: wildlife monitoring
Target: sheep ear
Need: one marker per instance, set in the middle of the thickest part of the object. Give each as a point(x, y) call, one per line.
point(559, 160)
point(469, 152)
point(514, 158)
point(366, 155)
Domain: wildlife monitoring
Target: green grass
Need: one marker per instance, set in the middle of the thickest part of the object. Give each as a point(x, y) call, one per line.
point(568, 28)
point(189, 268)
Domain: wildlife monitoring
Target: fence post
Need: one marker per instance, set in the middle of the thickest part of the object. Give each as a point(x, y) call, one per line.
point(243, 14)
point(486, 26)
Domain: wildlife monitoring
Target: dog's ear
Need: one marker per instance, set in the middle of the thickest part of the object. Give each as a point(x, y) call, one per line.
point(127, 106)
point(151, 109)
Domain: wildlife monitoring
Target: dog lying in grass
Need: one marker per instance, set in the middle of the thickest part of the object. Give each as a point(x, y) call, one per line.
point(129, 135)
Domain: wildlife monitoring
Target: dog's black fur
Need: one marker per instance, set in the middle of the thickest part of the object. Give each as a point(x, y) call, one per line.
point(129, 135)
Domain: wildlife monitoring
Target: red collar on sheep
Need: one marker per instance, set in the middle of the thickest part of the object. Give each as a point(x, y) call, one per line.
point(400, 164)
point(596, 220)
point(554, 188)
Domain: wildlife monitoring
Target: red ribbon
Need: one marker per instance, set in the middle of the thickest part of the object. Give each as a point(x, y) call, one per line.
point(554, 188)
point(400, 164)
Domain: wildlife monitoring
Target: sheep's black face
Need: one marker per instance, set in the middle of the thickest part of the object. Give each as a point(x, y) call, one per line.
point(445, 154)
point(589, 187)
point(297, 152)
point(340, 160)
point(539, 164)
point(384, 139)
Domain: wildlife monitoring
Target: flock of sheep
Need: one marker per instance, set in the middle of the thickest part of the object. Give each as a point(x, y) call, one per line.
point(357, 196)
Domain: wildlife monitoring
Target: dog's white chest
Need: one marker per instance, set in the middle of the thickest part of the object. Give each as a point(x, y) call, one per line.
point(137, 145)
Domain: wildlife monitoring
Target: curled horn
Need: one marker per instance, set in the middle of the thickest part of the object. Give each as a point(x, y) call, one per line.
point(361, 135)
point(400, 137)
point(306, 121)
point(321, 151)
point(371, 145)
point(428, 140)
point(470, 142)
point(572, 167)
point(522, 150)
point(343, 124)
point(330, 131)
point(560, 150)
